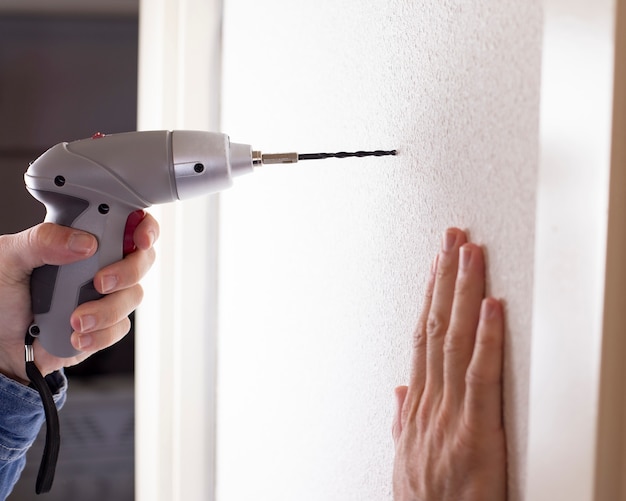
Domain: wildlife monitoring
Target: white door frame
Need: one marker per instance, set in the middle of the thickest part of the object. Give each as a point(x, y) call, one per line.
point(576, 439)
point(179, 88)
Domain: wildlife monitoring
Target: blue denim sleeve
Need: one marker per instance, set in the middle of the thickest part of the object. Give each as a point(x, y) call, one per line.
point(21, 417)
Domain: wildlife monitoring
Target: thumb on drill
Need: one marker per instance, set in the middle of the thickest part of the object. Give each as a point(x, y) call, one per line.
point(45, 243)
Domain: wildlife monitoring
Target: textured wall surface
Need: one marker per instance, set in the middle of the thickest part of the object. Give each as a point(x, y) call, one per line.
point(323, 264)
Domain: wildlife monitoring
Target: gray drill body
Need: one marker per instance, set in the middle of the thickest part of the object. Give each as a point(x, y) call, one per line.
point(95, 184)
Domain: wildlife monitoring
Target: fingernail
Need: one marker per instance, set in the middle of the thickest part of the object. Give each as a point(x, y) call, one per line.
point(84, 341)
point(466, 256)
point(82, 243)
point(449, 240)
point(87, 322)
point(108, 283)
point(489, 308)
point(152, 237)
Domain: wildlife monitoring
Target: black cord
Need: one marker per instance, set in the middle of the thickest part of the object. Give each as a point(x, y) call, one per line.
point(47, 468)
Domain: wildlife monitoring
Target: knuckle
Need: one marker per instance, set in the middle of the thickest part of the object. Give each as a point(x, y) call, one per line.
point(436, 325)
point(109, 316)
point(129, 276)
point(129, 270)
point(453, 345)
point(116, 332)
point(477, 379)
point(468, 293)
point(133, 276)
point(407, 414)
point(464, 286)
point(137, 268)
point(419, 339)
point(445, 268)
point(489, 340)
point(128, 302)
point(115, 312)
point(423, 416)
point(442, 422)
point(422, 412)
point(39, 236)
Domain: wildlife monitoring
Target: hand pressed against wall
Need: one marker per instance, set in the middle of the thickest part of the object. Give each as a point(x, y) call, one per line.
point(448, 432)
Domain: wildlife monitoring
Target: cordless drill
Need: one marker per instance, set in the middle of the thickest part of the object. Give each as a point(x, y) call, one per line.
point(98, 185)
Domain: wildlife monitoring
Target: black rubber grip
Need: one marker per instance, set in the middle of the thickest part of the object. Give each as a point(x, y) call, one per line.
point(42, 282)
point(66, 210)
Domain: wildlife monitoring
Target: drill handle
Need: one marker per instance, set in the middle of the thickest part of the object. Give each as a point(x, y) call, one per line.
point(56, 291)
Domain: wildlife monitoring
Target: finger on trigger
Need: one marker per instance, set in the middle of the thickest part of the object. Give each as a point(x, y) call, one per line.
point(125, 273)
point(146, 233)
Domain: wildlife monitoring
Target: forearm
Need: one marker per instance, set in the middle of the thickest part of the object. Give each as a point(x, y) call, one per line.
point(21, 418)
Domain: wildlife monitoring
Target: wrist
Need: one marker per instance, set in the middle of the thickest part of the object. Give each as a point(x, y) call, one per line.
point(19, 378)
point(13, 365)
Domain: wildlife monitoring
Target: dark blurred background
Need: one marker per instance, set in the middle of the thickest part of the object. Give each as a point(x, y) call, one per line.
point(65, 76)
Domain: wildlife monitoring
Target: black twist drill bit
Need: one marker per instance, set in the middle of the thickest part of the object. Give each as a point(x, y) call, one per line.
point(344, 154)
point(259, 158)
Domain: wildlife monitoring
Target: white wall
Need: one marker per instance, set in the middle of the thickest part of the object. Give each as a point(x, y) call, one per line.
point(322, 265)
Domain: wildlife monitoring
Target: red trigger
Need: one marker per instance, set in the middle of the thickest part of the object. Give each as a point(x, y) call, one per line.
point(134, 218)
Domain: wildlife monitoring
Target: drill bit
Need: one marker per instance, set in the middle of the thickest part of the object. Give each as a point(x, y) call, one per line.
point(344, 154)
point(291, 158)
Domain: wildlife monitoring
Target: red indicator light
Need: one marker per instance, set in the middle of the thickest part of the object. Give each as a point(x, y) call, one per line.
point(98, 135)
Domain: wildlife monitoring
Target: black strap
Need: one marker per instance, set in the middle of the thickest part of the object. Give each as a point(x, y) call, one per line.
point(48, 464)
